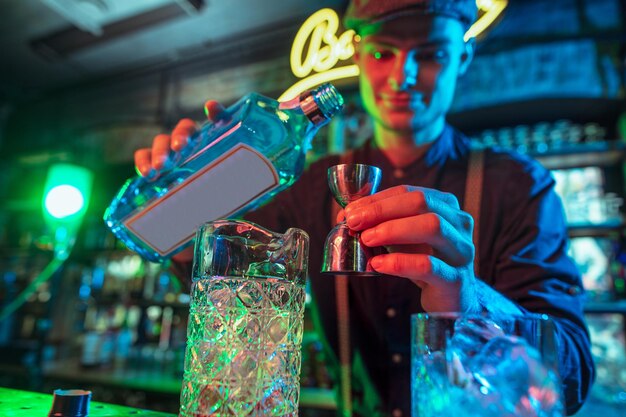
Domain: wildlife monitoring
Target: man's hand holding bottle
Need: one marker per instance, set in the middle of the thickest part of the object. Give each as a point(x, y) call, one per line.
point(150, 162)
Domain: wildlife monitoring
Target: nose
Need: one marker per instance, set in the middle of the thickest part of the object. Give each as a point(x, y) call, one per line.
point(404, 72)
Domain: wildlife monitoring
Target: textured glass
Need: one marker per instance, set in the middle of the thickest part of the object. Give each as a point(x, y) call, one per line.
point(465, 366)
point(246, 321)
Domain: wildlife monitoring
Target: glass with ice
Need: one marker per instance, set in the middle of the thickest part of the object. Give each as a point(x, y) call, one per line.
point(245, 322)
point(487, 366)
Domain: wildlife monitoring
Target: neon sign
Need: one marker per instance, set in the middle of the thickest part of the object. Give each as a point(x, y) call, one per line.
point(324, 51)
point(317, 49)
point(488, 12)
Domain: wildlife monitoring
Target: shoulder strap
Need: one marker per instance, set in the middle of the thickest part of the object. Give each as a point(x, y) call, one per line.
point(473, 197)
point(343, 328)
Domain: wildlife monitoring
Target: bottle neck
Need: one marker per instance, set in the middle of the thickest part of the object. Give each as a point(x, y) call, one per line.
point(318, 105)
point(289, 104)
point(308, 105)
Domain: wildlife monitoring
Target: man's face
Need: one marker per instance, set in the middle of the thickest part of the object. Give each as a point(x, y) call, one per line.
point(409, 68)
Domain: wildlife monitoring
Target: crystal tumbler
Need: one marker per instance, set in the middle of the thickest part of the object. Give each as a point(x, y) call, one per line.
point(487, 366)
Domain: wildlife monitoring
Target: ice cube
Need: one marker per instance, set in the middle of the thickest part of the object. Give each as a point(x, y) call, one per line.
point(469, 337)
point(510, 373)
point(471, 334)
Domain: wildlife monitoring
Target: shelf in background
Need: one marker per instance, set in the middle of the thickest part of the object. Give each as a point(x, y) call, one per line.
point(585, 154)
point(595, 230)
point(608, 307)
point(140, 302)
point(528, 112)
point(322, 398)
point(146, 380)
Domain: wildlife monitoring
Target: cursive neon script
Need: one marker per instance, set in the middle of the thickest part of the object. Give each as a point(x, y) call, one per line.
point(325, 49)
point(489, 12)
point(316, 49)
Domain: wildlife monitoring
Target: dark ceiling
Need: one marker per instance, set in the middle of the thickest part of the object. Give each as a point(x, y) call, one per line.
point(54, 44)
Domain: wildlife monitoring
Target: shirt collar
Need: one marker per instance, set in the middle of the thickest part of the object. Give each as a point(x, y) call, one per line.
point(450, 145)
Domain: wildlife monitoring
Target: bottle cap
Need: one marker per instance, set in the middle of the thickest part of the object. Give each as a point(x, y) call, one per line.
point(321, 103)
point(70, 403)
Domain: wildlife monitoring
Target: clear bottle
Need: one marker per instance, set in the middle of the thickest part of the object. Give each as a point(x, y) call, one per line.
point(231, 166)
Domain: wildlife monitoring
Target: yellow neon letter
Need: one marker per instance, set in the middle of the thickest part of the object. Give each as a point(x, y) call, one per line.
point(491, 10)
point(318, 36)
point(324, 48)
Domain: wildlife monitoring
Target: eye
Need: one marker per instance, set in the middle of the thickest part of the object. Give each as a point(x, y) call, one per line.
point(440, 54)
point(382, 54)
point(434, 55)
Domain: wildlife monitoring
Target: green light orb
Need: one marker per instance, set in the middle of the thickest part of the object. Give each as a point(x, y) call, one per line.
point(63, 201)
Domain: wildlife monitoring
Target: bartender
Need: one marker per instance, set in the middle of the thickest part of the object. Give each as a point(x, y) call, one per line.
point(410, 54)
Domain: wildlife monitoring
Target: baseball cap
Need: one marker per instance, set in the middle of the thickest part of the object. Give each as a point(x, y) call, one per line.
point(363, 12)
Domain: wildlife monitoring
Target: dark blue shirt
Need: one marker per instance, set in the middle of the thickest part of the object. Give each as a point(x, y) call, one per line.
point(523, 242)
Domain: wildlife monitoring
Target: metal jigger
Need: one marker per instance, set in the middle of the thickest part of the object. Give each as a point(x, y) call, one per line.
point(344, 253)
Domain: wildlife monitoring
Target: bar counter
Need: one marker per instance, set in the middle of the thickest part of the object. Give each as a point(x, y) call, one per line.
point(156, 381)
point(16, 403)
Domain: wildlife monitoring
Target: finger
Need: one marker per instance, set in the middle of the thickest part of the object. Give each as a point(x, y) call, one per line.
point(143, 162)
point(160, 151)
point(405, 205)
point(425, 269)
point(401, 190)
point(422, 248)
point(340, 216)
point(213, 110)
point(408, 206)
point(181, 133)
point(453, 247)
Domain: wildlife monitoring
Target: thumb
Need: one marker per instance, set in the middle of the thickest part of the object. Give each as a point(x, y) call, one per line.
point(341, 216)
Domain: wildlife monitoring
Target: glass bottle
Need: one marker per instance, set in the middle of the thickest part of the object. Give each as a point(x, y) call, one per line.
point(230, 166)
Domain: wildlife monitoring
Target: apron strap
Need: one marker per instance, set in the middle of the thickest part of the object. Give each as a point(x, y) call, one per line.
point(473, 198)
point(473, 194)
point(343, 321)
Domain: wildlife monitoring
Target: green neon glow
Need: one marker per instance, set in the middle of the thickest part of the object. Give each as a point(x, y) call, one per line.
point(63, 201)
point(66, 194)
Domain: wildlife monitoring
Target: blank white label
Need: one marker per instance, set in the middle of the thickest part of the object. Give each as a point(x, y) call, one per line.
point(215, 192)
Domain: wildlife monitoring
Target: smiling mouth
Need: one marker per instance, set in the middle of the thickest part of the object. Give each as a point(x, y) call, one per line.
point(403, 100)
